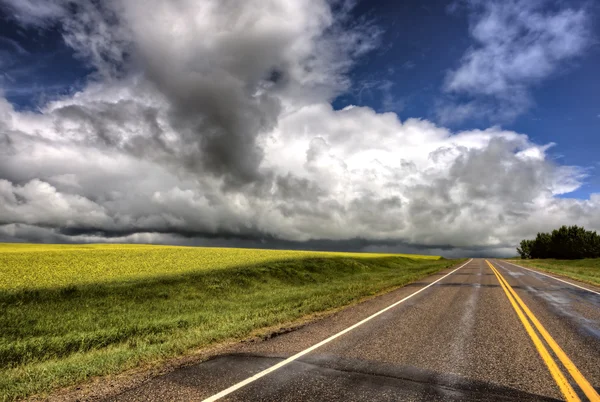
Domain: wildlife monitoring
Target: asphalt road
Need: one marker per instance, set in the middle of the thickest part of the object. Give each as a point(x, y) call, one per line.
point(464, 337)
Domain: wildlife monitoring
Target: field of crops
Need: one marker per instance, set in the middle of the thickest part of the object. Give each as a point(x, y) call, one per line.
point(74, 312)
point(34, 266)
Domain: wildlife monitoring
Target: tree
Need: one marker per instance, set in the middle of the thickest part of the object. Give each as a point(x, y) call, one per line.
point(566, 242)
point(525, 249)
point(541, 247)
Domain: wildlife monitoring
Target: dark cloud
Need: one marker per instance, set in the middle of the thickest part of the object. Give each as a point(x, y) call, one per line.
point(221, 81)
point(47, 235)
point(218, 131)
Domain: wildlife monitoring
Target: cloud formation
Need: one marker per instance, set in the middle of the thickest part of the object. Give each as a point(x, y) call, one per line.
point(212, 125)
point(517, 43)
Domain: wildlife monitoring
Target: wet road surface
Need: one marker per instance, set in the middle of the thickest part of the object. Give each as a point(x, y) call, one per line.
point(464, 336)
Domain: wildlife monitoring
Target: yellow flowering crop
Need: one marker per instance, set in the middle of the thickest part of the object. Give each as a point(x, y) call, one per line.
point(30, 266)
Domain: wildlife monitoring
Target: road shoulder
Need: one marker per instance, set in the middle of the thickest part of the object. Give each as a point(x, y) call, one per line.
point(564, 277)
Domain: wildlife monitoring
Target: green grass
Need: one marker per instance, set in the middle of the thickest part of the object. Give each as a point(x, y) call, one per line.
point(585, 270)
point(73, 312)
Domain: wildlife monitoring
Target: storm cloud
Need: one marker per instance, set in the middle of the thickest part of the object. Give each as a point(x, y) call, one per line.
point(210, 123)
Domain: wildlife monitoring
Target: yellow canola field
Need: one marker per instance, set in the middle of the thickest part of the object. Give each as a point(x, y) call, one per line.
point(35, 266)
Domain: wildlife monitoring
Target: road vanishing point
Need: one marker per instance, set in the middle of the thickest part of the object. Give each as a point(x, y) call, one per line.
point(484, 330)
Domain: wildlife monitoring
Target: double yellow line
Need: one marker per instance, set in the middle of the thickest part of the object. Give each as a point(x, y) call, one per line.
point(524, 314)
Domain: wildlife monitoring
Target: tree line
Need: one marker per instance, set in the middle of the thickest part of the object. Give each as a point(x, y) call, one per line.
point(568, 243)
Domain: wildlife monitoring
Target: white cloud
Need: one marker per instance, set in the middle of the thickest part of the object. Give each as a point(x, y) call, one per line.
point(334, 175)
point(518, 43)
point(34, 12)
point(218, 125)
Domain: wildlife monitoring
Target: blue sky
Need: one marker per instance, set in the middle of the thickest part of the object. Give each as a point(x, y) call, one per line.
point(397, 126)
point(420, 42)
point(37, 65)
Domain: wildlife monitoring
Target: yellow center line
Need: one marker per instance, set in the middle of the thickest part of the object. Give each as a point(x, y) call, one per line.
point(585, 386)
point(558, 376)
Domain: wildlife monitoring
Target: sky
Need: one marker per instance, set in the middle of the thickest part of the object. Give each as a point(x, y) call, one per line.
point(455, 128)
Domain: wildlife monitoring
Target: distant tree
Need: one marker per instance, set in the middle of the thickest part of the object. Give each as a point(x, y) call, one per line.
point(525, 249)
point(566, 242)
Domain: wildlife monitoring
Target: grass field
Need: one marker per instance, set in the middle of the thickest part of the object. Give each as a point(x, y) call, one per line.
point(72, 312)
point(585, 270)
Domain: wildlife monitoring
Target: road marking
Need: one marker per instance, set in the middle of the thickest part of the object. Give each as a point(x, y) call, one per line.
point(585, 386)
point(558, 376)
point(290, 359)
point(553, 277)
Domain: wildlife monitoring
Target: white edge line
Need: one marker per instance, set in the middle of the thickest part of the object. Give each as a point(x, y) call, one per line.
point(331, 338)
point(553, 277)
